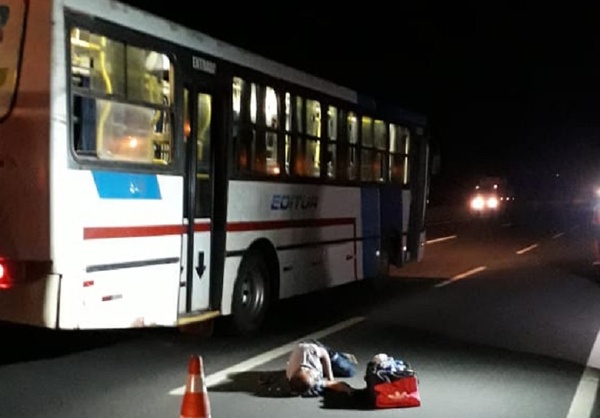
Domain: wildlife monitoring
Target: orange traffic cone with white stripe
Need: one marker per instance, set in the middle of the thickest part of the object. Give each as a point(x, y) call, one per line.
point(195, 399)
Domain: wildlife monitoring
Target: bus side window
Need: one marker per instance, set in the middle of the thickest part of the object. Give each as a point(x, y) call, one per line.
point(298, 151)
point(242, 132)
point(381, 144)
point(367, 155)
point(312, 138)
point(398, 160)
point(121, 93)
point(272, 108)
point(84, 113)
point(352, 134)
point(84, 118)
point(332, 124)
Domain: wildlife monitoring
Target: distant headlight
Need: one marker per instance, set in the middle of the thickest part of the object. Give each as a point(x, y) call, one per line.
point(481, 203)
point(492, 202)
point(477, 203)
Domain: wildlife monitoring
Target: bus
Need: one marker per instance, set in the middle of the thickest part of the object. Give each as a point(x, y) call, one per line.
point(154, 176)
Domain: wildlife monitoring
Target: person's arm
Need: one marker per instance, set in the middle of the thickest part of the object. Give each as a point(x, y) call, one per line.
point(293, 362)
point(326, 361)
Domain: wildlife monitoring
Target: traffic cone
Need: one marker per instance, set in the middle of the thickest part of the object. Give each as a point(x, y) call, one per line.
point(195, 399)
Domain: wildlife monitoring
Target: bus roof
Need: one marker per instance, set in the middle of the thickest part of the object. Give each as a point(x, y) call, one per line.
point(150, 23)
point(392, 111)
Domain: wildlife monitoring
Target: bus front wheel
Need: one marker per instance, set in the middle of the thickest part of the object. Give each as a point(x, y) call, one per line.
point(251, 297)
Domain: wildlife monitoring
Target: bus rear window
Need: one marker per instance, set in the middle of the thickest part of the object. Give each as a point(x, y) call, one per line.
point(122, 103)
point(12, 22)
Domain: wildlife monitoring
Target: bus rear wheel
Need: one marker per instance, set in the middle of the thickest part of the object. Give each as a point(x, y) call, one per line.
point(251, 296)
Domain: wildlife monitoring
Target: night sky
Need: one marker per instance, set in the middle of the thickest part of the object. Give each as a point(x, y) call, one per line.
point(511, 92)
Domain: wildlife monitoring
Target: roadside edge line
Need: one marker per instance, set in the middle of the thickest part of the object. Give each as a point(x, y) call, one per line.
point(585, 396)
point(461, 276)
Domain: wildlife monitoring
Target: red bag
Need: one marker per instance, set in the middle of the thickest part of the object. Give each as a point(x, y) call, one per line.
point(400, 393)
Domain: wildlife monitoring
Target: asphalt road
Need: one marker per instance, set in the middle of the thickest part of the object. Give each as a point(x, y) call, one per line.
point(500, 319)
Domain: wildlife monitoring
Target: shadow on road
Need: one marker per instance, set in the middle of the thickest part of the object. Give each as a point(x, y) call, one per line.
point(269, 384)
point(22, 343)
point(300, 315)
point(321, 309)
point(273, 384)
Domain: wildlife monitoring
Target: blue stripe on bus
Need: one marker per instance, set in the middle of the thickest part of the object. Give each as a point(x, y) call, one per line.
point(371, 231)
point(113, 185)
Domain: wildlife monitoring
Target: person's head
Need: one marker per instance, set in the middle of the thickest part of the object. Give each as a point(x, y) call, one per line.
point(302, 381)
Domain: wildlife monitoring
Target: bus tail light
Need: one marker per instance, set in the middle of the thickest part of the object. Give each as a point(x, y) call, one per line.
point(5, 274)
point(13, 273)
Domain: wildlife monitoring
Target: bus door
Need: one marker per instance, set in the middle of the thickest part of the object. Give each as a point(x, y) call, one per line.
point(194, 295)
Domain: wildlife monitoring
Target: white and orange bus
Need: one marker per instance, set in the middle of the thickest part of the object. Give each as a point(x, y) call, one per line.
point(151, 175)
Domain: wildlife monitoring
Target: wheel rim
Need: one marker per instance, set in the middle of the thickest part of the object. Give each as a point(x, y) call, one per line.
point(252, 295)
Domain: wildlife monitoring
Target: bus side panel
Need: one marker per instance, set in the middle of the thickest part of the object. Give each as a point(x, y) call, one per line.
point(392, 222)
point(406, 199)
point(371, 230)
point(24, 173)
point(130, 297)
point(122, 254)
point(23, 304)
point(314, 230)
point(24, 148)
point(107, 280)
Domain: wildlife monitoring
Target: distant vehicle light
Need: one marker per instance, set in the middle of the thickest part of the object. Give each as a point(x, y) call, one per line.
point(485, 203)
point(493, 202)
point(477, 203)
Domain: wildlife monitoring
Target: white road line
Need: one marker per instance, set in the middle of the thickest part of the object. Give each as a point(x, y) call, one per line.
point(524, 250)
point(461, 276)
point(594, 358)
point(560, 234)
point(469, 273)
point(433, 241)
point(585, 395)
point(265, 357)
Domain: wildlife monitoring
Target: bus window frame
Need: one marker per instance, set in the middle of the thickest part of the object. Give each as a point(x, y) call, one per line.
point(282, 88)
point(140, 40)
